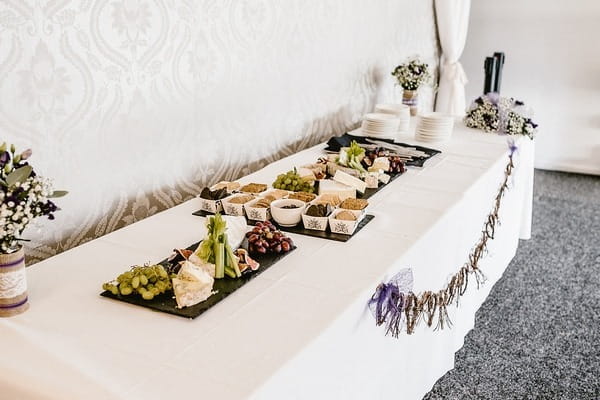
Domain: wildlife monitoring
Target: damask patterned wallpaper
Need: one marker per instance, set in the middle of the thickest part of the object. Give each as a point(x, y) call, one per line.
point(135, 105)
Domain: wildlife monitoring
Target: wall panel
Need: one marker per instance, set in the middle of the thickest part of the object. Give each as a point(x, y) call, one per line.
point(133, 106)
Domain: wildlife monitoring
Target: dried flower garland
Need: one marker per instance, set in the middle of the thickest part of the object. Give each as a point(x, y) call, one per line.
point(395, 305)
point(492, 113)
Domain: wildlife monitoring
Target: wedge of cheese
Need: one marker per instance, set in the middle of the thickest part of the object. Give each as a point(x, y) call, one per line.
point(208, 267)
point(349, 180)
point(372, 180)
point(236, 229)
point(306, 174)
point(192, 285)
point(384, 178)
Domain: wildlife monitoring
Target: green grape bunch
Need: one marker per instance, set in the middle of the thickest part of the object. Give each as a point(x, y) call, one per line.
point(293, 182)
point(147, 281)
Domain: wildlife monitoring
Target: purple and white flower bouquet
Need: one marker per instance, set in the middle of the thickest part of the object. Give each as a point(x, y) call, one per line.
point(412, 74)
point(492, 113)
point(24, 196)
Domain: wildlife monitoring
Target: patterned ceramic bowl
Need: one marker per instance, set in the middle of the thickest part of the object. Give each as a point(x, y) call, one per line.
point(341, 226)
point(257, 213)
point(287, 216)
point(235, 208)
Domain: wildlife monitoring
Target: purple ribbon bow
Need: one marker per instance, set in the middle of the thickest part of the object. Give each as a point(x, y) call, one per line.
point(388, 302)
point(512, 146)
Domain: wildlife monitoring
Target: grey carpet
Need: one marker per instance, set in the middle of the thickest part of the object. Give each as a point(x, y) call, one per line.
point(537, 336)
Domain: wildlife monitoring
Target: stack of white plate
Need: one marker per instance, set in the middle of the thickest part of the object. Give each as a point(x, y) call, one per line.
point(380, 125)
point(434, 127)
point(402, 111)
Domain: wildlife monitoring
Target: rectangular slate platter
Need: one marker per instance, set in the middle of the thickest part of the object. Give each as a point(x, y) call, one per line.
point(300, 230)
point(326, 234)
point(337, 142)
point(224, 287)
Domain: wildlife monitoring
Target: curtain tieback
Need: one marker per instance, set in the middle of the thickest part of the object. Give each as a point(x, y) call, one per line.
point(454, 71)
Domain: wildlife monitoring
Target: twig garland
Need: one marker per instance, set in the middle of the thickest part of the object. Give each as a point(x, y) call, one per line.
point(389, 301)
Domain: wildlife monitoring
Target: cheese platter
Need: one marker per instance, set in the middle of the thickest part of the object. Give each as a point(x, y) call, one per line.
point(194, 279)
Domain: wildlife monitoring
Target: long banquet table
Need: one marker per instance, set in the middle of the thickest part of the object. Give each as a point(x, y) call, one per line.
point(298, 331)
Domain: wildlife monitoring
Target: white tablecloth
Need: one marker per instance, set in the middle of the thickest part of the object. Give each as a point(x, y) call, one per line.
point(300, 330)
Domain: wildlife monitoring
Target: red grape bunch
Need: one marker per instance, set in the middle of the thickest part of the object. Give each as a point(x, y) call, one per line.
point(396, 165)
point(266, 238)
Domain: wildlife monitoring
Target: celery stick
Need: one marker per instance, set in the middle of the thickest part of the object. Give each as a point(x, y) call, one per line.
point(230, 273)
point(232, 259)
point(219, 260)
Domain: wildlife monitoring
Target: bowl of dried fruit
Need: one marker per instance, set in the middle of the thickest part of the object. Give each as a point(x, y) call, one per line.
point(287, 212)
point(315, 216)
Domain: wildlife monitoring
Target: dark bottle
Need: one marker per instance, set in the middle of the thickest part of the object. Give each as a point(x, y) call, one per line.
point(489, 67)
point(499, 56)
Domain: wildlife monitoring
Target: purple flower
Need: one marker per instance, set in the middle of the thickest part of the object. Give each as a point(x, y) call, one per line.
point(512, 146)
point(493, 97)
point(26, 154)
point(4, 158)
point(533, 124)
point(48, 208)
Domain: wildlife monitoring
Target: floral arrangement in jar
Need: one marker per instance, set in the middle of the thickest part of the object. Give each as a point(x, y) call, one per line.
point(24, 196)
point(410, 76)
point(492, 113)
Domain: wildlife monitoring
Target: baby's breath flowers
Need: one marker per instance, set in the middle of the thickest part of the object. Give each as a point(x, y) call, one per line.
point(483, 115)
point(412, 74)
point(492, 113)
point(24, 196)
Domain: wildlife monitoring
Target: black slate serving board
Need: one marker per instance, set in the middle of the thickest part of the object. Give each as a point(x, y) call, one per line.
point(367, 194)
point(224, 287)
point(326, 234)
point(300, 230)
point(337, 142)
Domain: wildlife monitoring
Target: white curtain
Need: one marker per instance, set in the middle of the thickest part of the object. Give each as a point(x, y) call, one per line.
point(453, 23)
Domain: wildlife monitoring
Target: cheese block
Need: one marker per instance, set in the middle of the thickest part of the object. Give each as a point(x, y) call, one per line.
point(192, 285)
point(372, 180)
point(381, 163)
point(305, 173)
point(333, 167)
point(344, 178)
point(208, 267)
point(332, 187)
point(384, 178)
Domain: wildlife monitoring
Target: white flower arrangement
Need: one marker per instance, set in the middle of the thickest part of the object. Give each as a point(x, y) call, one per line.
point(24, 196)
point(412, 74)
point(492, 113)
